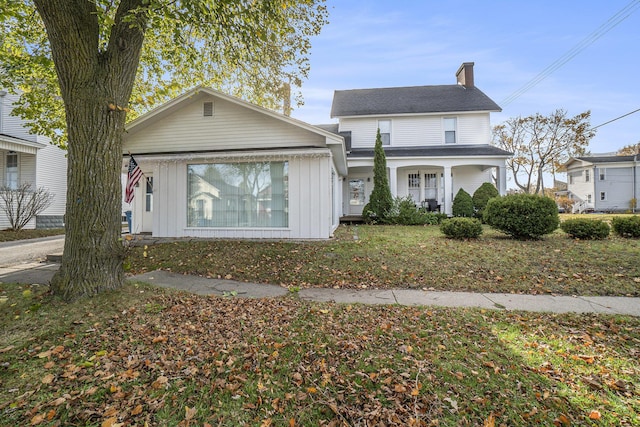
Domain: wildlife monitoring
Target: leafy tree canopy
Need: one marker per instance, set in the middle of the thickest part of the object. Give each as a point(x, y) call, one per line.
point(245, 48)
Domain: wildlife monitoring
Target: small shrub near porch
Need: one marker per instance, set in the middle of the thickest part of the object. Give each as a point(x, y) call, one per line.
point(586, 229)
point(462, 204)
point(405, 212)
point(461, 228)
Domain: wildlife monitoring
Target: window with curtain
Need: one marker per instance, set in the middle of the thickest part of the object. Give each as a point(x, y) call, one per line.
point(251, 194)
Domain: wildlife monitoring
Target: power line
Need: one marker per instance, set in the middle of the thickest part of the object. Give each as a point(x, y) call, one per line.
point(612, 22)
point(613, 120)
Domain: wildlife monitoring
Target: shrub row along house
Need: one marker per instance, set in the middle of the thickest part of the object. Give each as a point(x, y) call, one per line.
point(216, 166)
point(30, 159)
point(604, 183)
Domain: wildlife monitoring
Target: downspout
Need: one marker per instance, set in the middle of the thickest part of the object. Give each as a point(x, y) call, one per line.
point(3, 93)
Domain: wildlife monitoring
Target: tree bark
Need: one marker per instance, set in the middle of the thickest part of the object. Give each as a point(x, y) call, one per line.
point(95, 85)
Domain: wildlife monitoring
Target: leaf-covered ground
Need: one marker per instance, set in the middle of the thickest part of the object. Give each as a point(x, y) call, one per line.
point(411, 257)
point(10, 235)
point(144, 356)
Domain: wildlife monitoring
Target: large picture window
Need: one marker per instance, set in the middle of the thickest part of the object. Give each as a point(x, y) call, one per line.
point(238, 195)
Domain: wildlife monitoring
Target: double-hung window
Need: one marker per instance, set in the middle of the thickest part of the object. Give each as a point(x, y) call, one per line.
point(450, 130)
point(11, 171)
point(587, 175)
point(603, 174)
point(385, 131)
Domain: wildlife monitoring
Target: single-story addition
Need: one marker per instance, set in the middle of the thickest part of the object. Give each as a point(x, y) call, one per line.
point(604, 183)
point(216, 166)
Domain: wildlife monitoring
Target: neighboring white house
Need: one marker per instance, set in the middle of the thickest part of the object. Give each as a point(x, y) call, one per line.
point(28, 158)
point(436, 140)
point(603, 183)
point(216, 166)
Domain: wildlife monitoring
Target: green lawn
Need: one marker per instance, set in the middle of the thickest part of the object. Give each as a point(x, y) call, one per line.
point(411, 257)
point(145, 356)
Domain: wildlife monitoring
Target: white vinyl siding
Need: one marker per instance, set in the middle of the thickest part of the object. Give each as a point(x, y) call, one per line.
point(419, 131)
point(232, 127)
point(51, 170)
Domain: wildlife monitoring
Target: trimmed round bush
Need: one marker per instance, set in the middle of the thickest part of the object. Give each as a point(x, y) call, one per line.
point(481, 197)
point(461, 228)
point(522, 216)
point(586, 229)
point(462, 204)
point(626, 226)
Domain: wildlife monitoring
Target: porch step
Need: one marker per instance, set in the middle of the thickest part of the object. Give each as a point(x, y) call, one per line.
point(351, 219)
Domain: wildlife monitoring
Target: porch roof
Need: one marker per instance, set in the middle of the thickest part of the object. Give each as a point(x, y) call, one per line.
point(468, 150)
point(11, 143)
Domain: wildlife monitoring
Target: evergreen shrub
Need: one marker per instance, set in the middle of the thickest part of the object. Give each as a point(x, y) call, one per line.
point(461, 228)
point(522, 216)
point(626, 226)
point(462, 205)
point(586, 228)
point(481, 196)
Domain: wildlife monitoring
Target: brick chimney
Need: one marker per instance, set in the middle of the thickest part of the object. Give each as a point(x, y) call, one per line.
point(465, 74)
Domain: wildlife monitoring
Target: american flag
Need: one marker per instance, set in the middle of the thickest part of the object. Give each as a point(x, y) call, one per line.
point(133, 176)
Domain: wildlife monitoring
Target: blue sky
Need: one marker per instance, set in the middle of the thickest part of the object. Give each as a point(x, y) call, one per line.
point(405, 43)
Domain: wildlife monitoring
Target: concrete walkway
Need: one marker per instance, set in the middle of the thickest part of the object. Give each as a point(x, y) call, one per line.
point(540, 303)
point(40, 272)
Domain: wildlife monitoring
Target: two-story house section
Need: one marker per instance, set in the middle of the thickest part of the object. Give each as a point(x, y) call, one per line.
point(604, 183)
point(437, 139)
point(26, 158)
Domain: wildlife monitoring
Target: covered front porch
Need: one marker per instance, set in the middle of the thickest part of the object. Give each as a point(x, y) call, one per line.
point(431, 184)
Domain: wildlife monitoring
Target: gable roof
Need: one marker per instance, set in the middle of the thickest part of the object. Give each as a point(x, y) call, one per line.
point(335, 142)
point(601, 159)
point(410, 100)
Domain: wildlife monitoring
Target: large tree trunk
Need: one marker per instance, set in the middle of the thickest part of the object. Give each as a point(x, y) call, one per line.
point(95, 85)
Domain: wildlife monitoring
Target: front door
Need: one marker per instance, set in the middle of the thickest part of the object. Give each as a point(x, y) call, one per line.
point(356, 196)
point(143, 212)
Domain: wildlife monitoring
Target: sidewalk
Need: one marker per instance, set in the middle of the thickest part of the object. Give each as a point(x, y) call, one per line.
point(37, 272)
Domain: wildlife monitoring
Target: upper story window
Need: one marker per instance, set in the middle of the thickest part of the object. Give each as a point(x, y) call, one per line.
point(385, 131)
point(450, 130)
point(11, 171)
point(603, 174)
point(587, 175)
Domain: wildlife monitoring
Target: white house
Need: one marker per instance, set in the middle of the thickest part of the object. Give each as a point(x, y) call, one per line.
point(28, 158)
point(603, 183)
point(436, 140)
point(216, 166)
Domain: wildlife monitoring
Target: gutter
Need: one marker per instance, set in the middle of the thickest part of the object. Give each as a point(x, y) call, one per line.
point(3, 93)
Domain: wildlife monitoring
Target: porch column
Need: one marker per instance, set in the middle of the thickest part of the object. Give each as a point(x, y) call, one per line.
point(502, 180)
point(448, 189)
point(393, 180)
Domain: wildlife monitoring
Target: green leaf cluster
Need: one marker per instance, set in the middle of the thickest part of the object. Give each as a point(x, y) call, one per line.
point(252, 50)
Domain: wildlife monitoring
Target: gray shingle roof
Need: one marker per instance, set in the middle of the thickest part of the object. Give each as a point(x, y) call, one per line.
point(410, 100)
point(435, 151)
point(606, 159)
